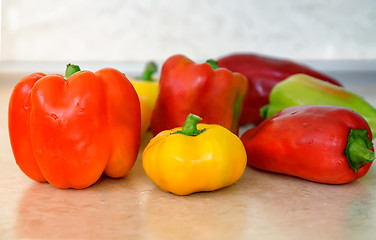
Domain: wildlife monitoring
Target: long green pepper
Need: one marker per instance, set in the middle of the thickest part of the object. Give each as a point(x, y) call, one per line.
point(301, 89)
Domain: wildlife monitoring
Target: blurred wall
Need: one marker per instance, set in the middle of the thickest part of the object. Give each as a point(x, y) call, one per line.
point(138, 30)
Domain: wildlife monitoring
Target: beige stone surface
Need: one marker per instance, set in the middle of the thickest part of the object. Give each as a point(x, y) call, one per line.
point(260, 205)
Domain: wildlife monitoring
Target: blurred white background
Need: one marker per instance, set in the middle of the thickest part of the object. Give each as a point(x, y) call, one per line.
point(139, 30)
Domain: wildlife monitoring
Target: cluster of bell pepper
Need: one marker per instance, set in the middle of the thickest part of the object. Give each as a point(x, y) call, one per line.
point(70, 130)
point(311, 127)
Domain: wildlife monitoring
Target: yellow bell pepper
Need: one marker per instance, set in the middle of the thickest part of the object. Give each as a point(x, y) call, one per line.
point(147, 87)
point(147, 91)
point(145, 115)
point(195, 158)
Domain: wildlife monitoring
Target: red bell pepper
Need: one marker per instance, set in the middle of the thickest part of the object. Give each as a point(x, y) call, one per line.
point(68, 132)
point(186, 87)
point(326, 144)
point(263, 72)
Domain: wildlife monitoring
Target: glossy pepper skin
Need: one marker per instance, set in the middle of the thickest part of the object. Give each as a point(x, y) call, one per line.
point(301, 89)
point(185, 87)
point(147, 91)
point(263, 72)
point(195, 158)
point(326, 144)
point(69, 132)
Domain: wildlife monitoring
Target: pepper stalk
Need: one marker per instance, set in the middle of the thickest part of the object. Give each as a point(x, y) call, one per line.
point(213, 63)
point(70, 70)
point(190, 126)
point(358, 150)
point(150, 68)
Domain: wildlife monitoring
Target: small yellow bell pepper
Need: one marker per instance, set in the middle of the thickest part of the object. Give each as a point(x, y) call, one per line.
point(195, 158)
point(147, 91)
point(145, 115)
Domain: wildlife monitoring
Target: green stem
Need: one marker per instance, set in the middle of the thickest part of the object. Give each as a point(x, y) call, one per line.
point(71, 69)
point(264, 111)
point(190, 126)
point(358, 150)
point(213, 63)
point(150, 68)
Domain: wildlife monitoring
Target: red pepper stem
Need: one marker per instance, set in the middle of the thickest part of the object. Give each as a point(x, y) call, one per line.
point(150, 68)
point(358, 150)
point(190, 126)
point(71, 69)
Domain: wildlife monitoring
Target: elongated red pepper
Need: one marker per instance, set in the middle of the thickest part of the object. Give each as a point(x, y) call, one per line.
point(326, 144)
point(186, 87)
point(263, 72)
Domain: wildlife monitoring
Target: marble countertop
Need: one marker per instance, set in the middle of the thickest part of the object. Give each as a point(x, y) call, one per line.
point(260, 205)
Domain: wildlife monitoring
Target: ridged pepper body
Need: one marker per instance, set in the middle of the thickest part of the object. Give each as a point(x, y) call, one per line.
point(181, 164)
point(263, 73)
point(69, 132)
point(186, 87)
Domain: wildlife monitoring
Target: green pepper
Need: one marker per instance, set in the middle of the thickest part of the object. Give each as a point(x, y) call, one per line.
point(301, 89)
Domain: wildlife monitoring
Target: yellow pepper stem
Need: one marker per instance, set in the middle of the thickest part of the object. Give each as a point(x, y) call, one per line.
point(150, 68)
point(190, 126)
point(71, 69)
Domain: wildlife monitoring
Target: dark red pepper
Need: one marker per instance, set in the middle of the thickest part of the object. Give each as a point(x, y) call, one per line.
point(263, 72)
point(326, 144)
point(185, 87)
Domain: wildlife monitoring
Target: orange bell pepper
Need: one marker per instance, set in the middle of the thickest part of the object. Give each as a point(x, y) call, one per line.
point(69, 131)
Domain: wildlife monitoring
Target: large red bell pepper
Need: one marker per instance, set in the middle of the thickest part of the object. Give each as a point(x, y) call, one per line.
point(186, 87)
point(263, 72)
point(326, 144)
point(68, 132)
